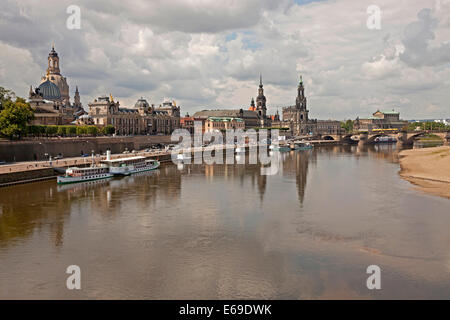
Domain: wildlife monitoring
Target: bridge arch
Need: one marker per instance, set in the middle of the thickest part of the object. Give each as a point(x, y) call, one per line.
point(329, 138)
point(372, 138)
point(439, 136)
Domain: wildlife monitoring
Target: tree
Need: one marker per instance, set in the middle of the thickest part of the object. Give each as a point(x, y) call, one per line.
point(14, 116)
point(347, 125)
point(109, 129)
point(5, 95)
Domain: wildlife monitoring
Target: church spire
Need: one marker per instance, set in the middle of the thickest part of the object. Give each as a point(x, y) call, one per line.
point(260, 80)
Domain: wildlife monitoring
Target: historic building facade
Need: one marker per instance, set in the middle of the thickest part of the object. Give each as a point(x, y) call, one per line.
point(224, 123)
point(254, 116)
point(296, 117)
point(50, 100)
point(142, 119)
point(389, 119)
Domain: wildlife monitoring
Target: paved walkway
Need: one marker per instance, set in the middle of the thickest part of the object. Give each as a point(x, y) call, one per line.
point(34, 165)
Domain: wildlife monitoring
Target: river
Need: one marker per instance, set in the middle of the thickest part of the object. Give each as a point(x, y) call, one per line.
point(225, 231)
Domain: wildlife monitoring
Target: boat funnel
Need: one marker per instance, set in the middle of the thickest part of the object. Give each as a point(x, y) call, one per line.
point(108, 154)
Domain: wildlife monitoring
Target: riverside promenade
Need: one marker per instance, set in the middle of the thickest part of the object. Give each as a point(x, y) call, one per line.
point(31, 171)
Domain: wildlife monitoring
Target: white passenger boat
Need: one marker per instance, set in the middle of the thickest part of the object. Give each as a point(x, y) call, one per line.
point(75, 174)
point(127, 166)
point(301, 145)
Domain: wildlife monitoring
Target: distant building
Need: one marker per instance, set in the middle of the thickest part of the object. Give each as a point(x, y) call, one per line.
point(50, 100)
point(254, 117)
point(389, 119)
point(189, 123)
point(142, 119)
point(251, 119)
point(224, 123)
point(296, 118)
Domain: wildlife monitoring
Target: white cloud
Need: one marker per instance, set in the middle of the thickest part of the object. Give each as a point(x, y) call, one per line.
point(210, 53)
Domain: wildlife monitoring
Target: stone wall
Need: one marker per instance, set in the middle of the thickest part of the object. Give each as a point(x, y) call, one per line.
point(28, 175)
point(35, 149)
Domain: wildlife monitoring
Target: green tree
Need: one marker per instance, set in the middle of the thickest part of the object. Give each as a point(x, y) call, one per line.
point(347, 125)
point(72, 130)
point(5, 95)
point(109, 129)
point(92, 130)
point(61, 131)
point(14, 117)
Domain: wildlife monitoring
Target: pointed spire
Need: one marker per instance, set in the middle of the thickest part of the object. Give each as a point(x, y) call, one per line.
point(76, 89)
point(301, 79)
point(260, 79)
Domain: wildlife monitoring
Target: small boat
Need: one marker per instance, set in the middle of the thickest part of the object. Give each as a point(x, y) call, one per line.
point(301, 145)
point(127, 166)
point(280, 147)
point(75, 174)
point(385, 139)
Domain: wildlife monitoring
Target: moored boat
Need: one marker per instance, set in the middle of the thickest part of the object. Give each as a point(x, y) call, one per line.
point(75, 174)
point(127, 166)
point(301, 145)
point(279, 147)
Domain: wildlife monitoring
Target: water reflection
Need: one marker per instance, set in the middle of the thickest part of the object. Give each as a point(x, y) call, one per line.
point(226, 231)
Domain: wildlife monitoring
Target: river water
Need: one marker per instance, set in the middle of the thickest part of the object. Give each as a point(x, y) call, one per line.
point(226, 231)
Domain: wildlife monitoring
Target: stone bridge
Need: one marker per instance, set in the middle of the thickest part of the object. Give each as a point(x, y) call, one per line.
point(405, 138)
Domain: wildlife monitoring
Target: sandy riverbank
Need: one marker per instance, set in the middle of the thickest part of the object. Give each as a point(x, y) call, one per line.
point(428, 169)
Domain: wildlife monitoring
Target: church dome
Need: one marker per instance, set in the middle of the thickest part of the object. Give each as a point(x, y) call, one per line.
point(141, 103)
point(49, 90)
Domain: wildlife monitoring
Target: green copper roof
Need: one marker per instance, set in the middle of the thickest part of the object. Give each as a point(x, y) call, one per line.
point(226, 119)
point(388, 112)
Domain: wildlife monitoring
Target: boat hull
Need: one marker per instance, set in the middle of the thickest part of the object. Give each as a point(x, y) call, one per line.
point(303, 148)
point(282, 149)
point(67, 180)
point(127, 170)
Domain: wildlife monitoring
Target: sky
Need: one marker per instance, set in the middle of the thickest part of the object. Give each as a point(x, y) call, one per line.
point(208, 54)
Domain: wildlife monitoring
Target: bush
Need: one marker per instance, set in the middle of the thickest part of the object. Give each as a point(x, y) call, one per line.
point(81, 130)
point(72, 130)
point(109, 129)
point(92, 130)
point(68, 130)
point(51, 130)
point(61, 131)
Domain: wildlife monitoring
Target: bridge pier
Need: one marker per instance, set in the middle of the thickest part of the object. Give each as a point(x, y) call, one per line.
point(447, 139)
point(402, 139)
point(363, 139)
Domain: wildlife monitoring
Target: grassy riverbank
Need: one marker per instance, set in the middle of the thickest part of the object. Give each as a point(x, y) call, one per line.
point(428, 169)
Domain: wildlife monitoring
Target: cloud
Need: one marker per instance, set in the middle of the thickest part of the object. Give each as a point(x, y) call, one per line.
point(417, 40)
point(208, 54)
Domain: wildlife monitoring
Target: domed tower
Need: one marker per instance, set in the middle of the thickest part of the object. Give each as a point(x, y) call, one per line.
point(49, 91)
point(54, 75)
point(143, 106)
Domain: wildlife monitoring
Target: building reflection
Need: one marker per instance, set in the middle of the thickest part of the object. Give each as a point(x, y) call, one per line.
point(27, 208)
point(37, 206)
